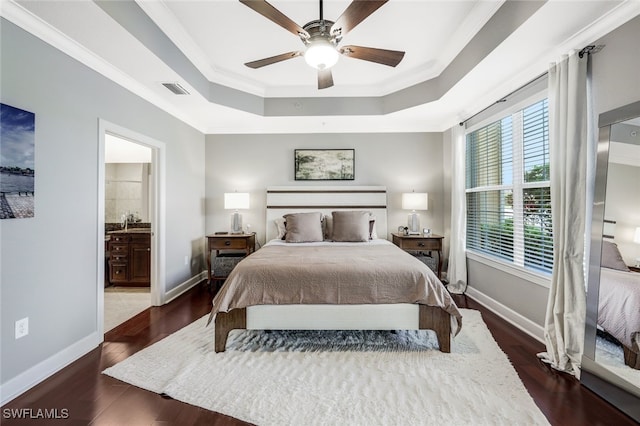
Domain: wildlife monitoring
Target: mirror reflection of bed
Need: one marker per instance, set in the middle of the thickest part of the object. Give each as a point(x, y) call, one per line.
point(611, 365)
point(618, 334)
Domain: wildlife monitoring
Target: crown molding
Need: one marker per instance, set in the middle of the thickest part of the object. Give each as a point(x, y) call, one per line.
point(166, 20)
point(31, 23)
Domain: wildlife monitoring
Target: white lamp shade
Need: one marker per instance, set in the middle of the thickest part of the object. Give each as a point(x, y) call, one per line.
point(236, 200)
point(321, 54)
point(415, 201)
point(636, 236)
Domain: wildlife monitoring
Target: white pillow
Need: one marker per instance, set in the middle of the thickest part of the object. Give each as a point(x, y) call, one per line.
point(372, 227)
point(280, 226)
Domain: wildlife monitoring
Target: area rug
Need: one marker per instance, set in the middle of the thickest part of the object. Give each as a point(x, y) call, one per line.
point(338, 377)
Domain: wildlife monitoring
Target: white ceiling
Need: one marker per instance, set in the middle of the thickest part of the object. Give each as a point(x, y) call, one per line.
point(211, 40)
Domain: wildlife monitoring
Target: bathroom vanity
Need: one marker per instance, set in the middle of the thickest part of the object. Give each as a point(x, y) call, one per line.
point(130, 257)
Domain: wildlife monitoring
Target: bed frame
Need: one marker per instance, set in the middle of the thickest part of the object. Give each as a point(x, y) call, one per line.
point(402, 316)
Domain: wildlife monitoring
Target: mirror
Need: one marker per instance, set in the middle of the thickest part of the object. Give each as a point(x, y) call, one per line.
point(611, 361)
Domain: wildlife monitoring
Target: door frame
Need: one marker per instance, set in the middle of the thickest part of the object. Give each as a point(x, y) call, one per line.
point(157, 214)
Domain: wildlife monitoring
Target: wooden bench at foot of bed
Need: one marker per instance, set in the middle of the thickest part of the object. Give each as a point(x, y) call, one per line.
point(430, 318)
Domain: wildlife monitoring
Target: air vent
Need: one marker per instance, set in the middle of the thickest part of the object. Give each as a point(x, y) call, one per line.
point(176, 88)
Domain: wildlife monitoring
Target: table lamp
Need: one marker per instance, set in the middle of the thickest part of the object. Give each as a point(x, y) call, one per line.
point(236, 201)
point(414, 201)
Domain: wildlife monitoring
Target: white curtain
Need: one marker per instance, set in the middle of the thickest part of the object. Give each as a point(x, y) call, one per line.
point(569, 150)
point(457, 271)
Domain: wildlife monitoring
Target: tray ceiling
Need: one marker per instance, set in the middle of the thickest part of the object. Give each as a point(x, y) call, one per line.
point(461, 56)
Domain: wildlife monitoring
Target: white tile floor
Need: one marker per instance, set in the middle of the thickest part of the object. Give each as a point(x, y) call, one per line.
point(121, 303)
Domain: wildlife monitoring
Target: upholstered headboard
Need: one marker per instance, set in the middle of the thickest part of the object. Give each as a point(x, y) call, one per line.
point(294, 199)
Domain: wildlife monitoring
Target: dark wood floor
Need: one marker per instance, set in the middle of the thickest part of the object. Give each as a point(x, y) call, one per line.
point(93, 398)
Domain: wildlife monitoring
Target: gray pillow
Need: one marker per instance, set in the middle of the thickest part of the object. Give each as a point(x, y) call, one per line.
point(303, 227)
point(350, 226)
point(328, 227)
point(611, 257)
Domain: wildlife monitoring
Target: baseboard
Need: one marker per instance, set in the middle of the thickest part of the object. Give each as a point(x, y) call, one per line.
point(44, 369)
point(512, 317)
point(184, 287)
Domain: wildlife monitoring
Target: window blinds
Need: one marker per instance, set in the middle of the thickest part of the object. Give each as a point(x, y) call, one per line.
point(508, 193)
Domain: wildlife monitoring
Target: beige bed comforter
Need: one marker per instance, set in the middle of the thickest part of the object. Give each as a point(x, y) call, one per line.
point(619, 306)
point(375, 272)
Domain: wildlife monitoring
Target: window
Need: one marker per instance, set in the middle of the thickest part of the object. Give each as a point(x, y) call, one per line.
point(508, 191)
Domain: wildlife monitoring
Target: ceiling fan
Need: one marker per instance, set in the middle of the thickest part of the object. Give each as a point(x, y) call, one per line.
point(321, 38)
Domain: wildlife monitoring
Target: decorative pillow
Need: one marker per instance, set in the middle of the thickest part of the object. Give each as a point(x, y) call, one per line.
point(350, 226)
point(281, 225)
point(328, 227)
point(611, 257)
point(303, 227)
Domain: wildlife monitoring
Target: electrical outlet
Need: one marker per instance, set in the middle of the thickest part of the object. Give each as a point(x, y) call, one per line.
point(22, 327)
point(186, 260)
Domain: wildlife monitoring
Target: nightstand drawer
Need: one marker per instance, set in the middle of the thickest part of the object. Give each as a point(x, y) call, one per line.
point(420, 244)
point(228, 243)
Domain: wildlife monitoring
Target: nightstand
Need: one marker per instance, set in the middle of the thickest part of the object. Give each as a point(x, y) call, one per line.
point(230, 249)
point(421, 243)
point(634, 268)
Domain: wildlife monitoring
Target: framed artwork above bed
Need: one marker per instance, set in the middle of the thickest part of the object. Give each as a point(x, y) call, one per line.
point(324, 164)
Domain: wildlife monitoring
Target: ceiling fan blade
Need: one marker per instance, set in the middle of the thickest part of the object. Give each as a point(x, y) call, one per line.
point(325, 79)
point(270, 12)
point(381, 56)
point(355, 13)
point(273, 59)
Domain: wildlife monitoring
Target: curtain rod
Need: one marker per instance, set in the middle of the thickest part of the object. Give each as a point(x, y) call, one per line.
point(504, 98)
point(588, 50)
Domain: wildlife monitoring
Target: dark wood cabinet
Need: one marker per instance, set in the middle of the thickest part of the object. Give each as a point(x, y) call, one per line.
point(130, 259)
point(422, 243)
point(236, 243)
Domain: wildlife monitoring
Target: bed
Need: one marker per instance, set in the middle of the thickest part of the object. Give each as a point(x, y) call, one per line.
point(369, 284)
point(619, 303)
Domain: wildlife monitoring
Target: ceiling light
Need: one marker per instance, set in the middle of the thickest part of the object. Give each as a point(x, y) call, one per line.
point(321, 54)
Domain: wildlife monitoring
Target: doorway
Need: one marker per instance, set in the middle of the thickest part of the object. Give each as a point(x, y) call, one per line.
point(130, 221)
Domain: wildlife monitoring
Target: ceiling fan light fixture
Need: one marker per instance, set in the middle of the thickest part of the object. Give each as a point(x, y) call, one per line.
point(321, 54)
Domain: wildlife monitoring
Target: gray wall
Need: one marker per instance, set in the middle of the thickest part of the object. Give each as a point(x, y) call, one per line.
point(250, 163)
point(49, 263)
point(623, 205)
point(616, 82)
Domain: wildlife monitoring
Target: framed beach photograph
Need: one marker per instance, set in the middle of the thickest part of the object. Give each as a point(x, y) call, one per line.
point(324, 164)
point(17, 172)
